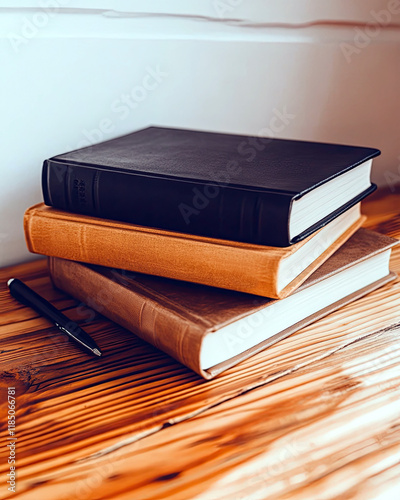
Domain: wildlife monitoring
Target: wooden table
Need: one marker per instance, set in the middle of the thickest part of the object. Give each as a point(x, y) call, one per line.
point(316, 416)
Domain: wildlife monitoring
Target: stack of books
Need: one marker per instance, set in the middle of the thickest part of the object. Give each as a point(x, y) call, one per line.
point(209, 246)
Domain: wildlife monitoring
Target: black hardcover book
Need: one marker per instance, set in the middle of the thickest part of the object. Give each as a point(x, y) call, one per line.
point(251, 189)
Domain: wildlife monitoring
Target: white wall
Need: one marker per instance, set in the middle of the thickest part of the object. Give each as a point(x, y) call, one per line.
point(332, 69)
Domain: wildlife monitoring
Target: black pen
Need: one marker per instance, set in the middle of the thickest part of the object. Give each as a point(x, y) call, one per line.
point(29, 298)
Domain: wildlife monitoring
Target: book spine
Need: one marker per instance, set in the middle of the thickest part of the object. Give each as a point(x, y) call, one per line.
point(136, 311)
point(199, 260)
point(210, 209)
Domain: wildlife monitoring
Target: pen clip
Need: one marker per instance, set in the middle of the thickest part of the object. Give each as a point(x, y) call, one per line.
point(70, 334)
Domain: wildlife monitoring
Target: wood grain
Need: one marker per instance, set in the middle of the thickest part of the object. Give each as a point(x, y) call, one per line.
point(315, 416)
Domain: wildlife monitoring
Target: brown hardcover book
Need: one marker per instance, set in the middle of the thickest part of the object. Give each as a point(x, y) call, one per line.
point(210, 329)
point(256, 269)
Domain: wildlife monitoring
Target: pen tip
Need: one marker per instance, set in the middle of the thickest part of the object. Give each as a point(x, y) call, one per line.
point(10, 281)
point(97, 352)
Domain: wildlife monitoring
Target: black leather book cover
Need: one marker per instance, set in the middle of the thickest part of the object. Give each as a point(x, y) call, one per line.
point(218, 185)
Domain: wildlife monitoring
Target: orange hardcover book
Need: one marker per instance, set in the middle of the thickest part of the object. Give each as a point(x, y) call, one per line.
point(261, 270)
